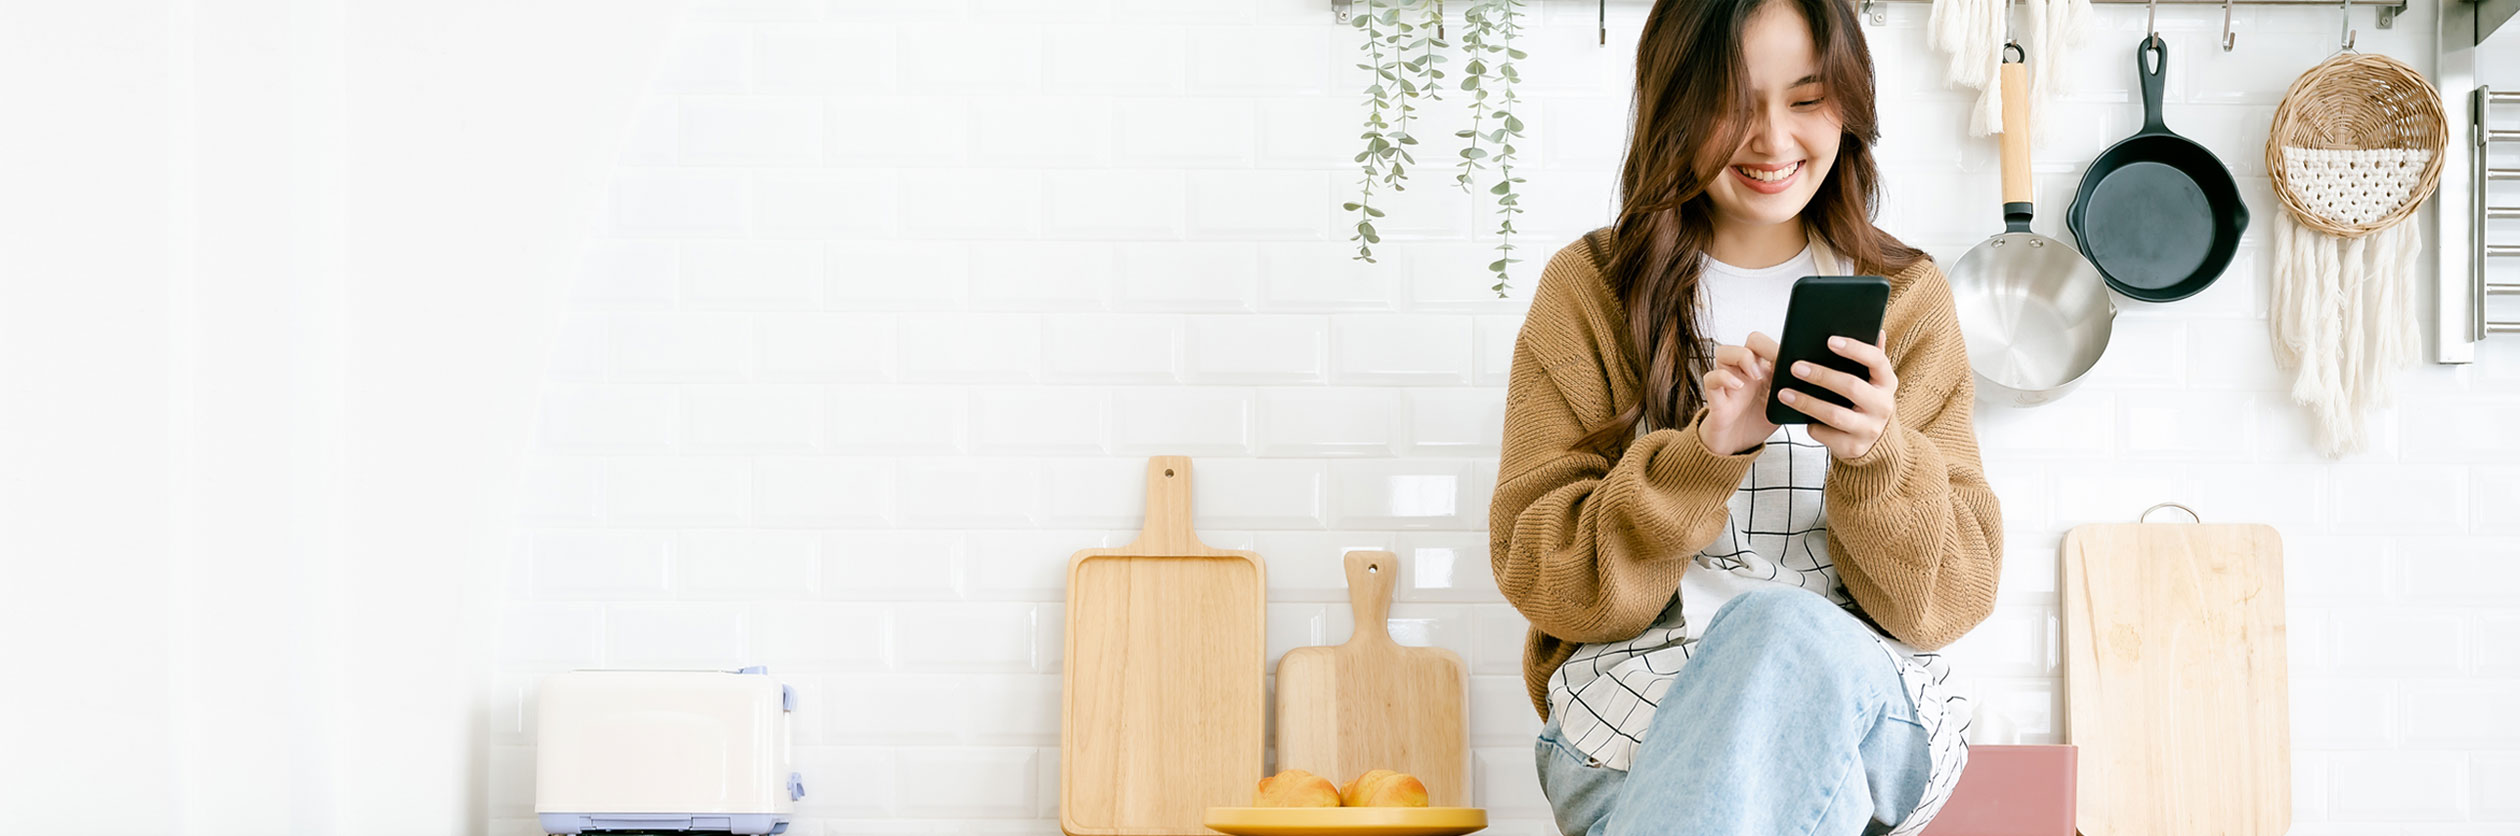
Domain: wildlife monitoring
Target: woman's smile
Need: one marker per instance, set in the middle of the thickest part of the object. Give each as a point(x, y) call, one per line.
point(1769, 178)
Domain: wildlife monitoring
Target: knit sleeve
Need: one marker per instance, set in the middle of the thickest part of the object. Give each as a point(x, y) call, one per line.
point(1916, 530)
point(1589, 547)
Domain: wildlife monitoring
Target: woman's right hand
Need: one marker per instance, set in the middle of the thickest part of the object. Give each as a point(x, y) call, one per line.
point(1736, 396)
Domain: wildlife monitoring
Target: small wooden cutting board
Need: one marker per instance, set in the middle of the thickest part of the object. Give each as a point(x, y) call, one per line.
point(1372, 703)
point(2174, 675)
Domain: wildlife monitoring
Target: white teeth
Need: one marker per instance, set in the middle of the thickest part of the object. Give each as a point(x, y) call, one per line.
point(1770, 176)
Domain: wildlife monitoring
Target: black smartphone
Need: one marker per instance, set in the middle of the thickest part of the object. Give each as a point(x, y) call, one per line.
point(1822, 307)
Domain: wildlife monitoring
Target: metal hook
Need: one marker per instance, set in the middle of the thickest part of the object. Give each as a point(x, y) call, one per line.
point(2345, 23)
point(2152, 31)
point(1601, 20)
point(2227, 39)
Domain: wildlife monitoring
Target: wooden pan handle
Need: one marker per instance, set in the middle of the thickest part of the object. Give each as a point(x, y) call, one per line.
point(2016, 136)
point(1371, 575)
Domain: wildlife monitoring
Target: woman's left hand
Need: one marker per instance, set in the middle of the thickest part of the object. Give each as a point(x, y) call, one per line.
point(1849, 432)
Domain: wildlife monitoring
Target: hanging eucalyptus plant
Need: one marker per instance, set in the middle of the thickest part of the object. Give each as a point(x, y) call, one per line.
point(1401, 55)
point(1488, 34)
point(1401, 51)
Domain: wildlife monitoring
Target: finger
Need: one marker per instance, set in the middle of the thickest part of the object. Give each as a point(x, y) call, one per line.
point(1739, 358)
point(1874, 359)
point(1823, 411)
point(1762, 345)
point(1720, 380)
point(1846, 385)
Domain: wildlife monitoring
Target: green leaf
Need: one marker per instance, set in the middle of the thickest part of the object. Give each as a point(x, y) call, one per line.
point(1464, 133)
point(1350, 206)
point(1516, 54)
point(1502, 186)
point(1373, 212)
point(1368, 231)
point(1513, 124)
point(1497, 266)
point(1473, 153)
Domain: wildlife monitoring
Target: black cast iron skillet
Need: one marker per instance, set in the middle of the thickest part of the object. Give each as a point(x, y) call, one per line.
point(2157, 213)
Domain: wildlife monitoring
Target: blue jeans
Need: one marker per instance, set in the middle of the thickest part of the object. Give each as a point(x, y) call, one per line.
point(1788, 720)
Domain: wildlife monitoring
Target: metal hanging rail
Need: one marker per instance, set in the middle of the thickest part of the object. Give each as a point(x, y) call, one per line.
point(1341, 11)
point(2480, 109)
point(2387, 14)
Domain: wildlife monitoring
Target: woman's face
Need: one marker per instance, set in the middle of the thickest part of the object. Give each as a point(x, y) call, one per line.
point(1794, 128)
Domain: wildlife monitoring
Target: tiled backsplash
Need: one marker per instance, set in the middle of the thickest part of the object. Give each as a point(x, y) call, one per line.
point(896, 298)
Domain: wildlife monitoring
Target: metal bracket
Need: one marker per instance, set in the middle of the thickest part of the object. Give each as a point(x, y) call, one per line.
point(2388, 14)
point(1339, 10)
point(1875, 15)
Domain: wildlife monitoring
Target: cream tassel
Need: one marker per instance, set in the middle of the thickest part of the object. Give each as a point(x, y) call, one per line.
point(2280, 294)
point(2341, 317)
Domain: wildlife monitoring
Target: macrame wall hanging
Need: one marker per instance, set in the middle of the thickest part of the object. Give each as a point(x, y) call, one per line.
point(2355, 147)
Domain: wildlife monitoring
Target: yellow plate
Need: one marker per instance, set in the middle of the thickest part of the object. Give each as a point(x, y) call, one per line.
point(1346, 821)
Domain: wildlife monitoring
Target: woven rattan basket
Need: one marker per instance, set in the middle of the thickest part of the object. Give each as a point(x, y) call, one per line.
point(2357, 101)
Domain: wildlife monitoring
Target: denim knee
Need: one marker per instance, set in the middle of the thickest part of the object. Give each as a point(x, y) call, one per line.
point(1801, 625)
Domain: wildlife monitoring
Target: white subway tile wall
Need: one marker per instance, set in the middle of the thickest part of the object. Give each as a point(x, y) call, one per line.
point(894, 298)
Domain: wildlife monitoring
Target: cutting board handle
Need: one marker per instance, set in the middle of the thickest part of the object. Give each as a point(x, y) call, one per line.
point(2146, 516)
point(1168, 529)
point(1371, 575)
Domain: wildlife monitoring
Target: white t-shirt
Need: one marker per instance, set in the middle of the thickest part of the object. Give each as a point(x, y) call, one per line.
point(1740, 301)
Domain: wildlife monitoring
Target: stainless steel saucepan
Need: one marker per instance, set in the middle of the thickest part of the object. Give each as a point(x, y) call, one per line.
point(2035, 313)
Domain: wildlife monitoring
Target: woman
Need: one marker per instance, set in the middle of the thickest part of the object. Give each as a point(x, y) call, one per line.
point(1728, 618)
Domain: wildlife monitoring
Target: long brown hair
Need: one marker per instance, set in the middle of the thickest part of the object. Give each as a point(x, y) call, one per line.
point(1693, 109)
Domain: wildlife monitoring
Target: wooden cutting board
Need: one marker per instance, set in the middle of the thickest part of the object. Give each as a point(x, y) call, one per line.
point(1161, 709)
point(1372, 703)
point(2174, 675)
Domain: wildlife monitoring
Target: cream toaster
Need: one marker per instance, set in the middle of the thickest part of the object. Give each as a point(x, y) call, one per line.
point(664, 750)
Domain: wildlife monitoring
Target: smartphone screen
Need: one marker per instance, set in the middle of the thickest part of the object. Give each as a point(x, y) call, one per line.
point(1822, 307)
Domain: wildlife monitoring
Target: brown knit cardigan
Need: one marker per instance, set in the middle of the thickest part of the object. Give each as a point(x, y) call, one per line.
point(1590, 548)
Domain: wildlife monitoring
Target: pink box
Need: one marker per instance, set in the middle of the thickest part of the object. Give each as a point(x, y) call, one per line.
point(2011, 791)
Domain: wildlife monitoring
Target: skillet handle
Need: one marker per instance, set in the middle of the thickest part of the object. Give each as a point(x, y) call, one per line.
point(2014, 76)
point(2152, 64)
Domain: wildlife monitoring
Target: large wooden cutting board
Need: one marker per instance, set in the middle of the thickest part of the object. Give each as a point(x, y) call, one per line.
point(1161, 709)
point(1372, 703)
point(2174, 674)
